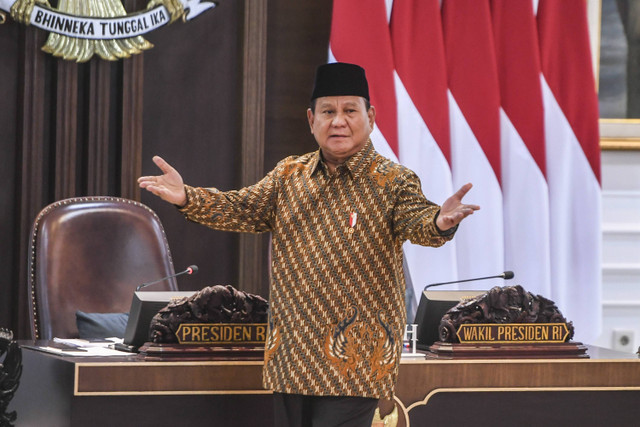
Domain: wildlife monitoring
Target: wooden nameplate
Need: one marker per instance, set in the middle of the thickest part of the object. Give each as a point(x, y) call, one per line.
point(568, 350)
point(153, 351)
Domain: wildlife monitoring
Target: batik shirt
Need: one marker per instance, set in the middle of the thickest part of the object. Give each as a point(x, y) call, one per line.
point(337, 307)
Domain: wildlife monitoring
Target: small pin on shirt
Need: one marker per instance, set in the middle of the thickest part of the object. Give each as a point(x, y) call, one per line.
point(353, 219)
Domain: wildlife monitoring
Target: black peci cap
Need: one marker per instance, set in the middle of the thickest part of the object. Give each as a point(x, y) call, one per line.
point(340, 79)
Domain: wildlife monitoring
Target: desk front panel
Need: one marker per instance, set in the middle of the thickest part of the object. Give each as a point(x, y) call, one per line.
point(140, 378)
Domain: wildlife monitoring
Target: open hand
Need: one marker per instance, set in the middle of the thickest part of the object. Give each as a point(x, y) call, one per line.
point(168, 186)
point(453, 211)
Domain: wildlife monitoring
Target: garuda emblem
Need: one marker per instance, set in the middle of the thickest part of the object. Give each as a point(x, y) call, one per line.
point(80, 29)
point(351, 345)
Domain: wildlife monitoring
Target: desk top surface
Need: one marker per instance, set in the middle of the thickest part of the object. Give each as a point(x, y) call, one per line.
point(131, 375)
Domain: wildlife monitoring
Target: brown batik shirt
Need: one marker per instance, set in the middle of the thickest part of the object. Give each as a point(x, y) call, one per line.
point(337, 308)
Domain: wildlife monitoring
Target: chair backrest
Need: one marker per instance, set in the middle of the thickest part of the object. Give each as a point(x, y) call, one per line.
point(90, 254)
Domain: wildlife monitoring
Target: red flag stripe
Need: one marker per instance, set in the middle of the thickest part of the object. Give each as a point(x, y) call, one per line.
point(360, 35)
point(516, 38)
point(567, 69)
point(416, 37)
point(472, 73)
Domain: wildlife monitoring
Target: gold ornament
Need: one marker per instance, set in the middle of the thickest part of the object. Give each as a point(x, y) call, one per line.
point(81, 50)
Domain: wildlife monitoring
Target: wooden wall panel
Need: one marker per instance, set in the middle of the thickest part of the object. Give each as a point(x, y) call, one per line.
point(97, 131)
point(192, 117)
point(32, 145)
point(131, 93)
point(66, 129)
point(131, 118)
point(9, 169)
point(252, 276)
point(298, 35)
point(222, 98)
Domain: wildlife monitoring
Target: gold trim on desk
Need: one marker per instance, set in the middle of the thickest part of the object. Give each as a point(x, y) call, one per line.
point(170, 393)
point(513, 361)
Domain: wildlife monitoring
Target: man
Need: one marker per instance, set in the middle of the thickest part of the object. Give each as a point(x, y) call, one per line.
point(338, 218)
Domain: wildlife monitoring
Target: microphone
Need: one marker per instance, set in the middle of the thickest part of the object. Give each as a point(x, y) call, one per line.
point(506, 276)
point(192, 269)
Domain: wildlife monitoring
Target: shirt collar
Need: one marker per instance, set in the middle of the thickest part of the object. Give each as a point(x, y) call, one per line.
point(356, 165)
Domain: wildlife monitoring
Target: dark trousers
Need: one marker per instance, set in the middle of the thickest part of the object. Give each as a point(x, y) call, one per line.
point(296, 410)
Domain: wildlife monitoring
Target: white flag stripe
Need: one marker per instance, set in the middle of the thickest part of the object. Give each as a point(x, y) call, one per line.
point(575, 222)
point(480, 238)
point(420, 152)
point(524, 186)
point(526, 207)
point(381, 145)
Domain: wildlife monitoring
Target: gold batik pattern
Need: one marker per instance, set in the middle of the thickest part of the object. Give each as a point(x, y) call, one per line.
point(337, 308)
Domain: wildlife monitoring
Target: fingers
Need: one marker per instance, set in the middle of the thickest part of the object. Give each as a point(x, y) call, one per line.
point(146, 181)
point(465, 210)
point(470, 208)
point(165, 194)
point(456, 216)
point(167, 170)
point(158, 191)
point(151, 180)
point(165, 167)
point(463, 190)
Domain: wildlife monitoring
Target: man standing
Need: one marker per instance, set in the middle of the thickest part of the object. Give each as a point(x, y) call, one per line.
point(338, 218)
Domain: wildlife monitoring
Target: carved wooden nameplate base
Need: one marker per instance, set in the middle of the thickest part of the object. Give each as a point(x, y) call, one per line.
point(568, 350)
point(153, 351)
point(217, 341)
point(509, 340)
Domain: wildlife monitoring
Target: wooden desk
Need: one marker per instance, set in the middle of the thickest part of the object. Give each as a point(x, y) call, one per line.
point(124, 391)
point(75, 391)
point(601, 391)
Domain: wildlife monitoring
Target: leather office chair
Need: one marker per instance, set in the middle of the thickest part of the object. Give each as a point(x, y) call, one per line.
point(90, 254)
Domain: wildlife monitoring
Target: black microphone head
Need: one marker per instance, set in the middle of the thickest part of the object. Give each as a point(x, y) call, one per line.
point(193, 269)
point(508, 275)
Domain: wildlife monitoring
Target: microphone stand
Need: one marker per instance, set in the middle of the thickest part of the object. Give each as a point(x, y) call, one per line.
point(192, 269)
point(506, 276)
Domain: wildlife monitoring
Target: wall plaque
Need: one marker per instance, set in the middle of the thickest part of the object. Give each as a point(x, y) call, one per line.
point(80, 29)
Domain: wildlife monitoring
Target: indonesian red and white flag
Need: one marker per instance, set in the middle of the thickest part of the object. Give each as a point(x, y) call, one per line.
point(573, 163)
point(524, 186)
point(474, 105)
point(519, 120)
point(360, 35)
point(423, 123)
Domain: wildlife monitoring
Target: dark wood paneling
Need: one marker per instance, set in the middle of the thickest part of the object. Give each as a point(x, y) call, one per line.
point(193, 119)
point(298, 34)
point(31, 140)
point(9, 169)
point(132, 92)
point(97, 140)
point(197, 98)
point(131, 147)
point(66, 127)
point(252, 277)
